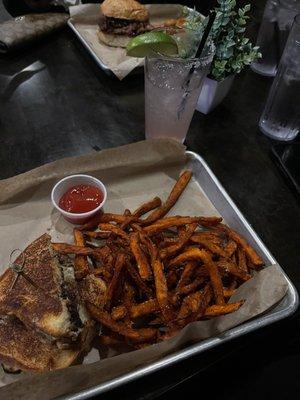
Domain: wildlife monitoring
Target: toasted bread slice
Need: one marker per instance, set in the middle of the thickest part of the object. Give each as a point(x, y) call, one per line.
point(24, 349)
point(52, 305)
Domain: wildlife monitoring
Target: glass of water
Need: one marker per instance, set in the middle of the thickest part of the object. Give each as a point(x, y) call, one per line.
point(273, 33)
point(281, 117)
point(172, 87)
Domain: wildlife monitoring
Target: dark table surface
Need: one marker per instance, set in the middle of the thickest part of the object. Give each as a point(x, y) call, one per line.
point(55, 102)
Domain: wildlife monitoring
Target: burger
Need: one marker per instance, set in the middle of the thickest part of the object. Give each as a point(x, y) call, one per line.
point(121, 20)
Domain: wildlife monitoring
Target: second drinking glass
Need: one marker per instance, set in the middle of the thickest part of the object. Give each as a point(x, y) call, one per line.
point(273, 33)
point(281, 117)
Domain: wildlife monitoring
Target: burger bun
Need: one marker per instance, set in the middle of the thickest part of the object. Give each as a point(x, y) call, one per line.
point(125, 9)
point(113, 40)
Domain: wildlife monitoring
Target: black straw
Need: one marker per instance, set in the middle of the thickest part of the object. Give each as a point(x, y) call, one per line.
point(202, 43)
point(211, 20)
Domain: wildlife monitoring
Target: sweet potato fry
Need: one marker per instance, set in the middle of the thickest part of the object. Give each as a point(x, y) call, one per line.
point(228, 293)
point(135, 335)
point(214, 236)
point(114, 229)
point(141, 309)
point(186, 274)
point(216, 310)
point(146, 290)
point(191, 287)
point(188, 255)
point(78, 238)
point(104, 218)
point(170, 222)
point(118, 218)
point(141, 259)
point(92, 223)
point(184, 238)
point(120, 262)
point(160, 281)
point(145, 308)
point(230, 247)
point(97, 235)
point(210, 221)
point(136, 310)
point(149, 245)
point(176, 221)
point(230, 268)
point(81, 264)
point(207, 296)
point(177, 190)
point(65, 248)
point(143, 209)
point(122, 311)
point(146, 207)
point(161, 290)
point(250, 252)
point(242, 262)
point(189, 305)
point(194, 306)
point(196, 254)
point(209, 245)
point(118, 312)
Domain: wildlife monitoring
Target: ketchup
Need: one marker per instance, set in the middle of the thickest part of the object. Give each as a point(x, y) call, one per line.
point(81, 198)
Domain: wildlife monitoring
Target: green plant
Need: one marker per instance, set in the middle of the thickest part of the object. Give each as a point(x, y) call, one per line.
point(233, 51)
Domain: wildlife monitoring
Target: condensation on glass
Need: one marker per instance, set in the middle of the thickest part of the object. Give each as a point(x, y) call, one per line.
point(171, 94)
point(281, 117)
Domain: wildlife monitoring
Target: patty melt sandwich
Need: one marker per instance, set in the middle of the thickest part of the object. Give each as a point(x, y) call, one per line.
point(43, 321)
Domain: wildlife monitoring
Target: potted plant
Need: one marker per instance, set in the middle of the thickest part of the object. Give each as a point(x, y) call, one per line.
point(233, 51)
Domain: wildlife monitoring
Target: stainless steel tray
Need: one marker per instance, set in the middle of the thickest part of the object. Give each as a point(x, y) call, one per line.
point(100, 63)
point(226, 207)
point(89, 49)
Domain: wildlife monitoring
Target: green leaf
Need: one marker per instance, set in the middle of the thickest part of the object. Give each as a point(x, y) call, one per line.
point(233, 50)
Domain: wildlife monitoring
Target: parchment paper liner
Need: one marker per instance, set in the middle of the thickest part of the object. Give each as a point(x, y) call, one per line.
point(133, 174)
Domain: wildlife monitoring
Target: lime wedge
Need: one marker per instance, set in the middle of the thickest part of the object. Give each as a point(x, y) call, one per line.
point(147, 43)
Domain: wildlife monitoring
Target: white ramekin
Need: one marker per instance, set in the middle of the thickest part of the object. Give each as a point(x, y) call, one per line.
point(73, 180)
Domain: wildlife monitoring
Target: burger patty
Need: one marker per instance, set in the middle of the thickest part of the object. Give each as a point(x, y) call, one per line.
point(126, 27)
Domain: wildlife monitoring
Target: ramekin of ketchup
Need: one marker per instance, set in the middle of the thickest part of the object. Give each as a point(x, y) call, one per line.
point(78, 197)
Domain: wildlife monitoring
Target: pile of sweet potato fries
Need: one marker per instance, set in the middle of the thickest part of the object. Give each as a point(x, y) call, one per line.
point(161, 273)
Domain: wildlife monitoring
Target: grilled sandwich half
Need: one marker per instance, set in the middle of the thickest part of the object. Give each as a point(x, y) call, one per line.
point(47, 310)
